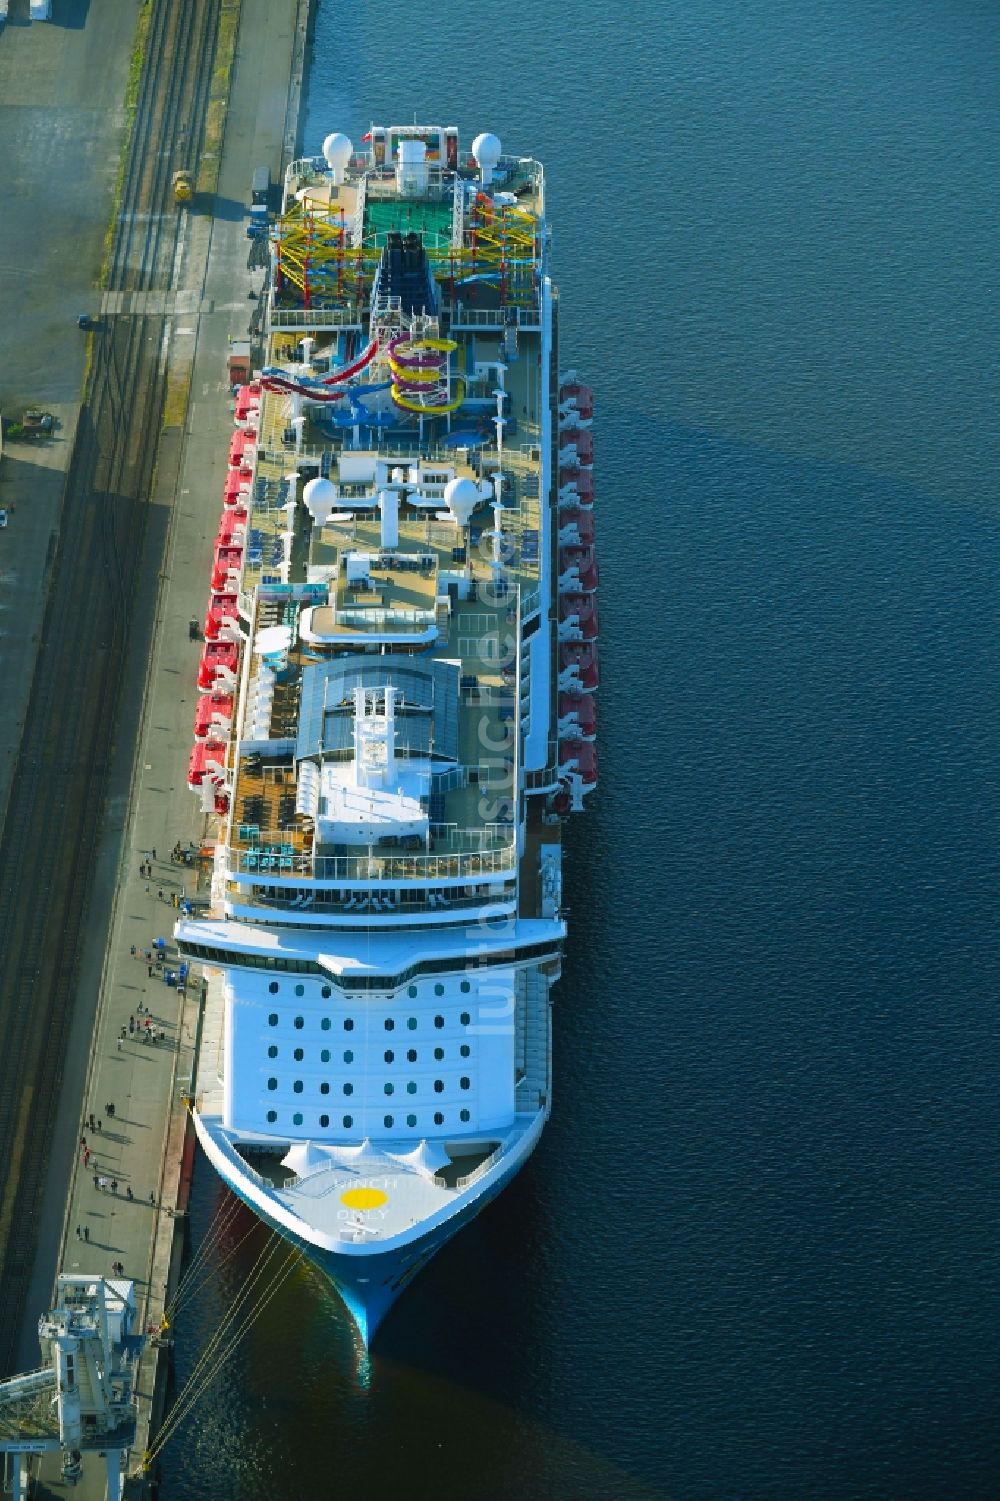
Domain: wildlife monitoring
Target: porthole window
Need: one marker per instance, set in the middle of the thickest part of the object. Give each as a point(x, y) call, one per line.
point(438, 1118)
point(272, 1020)
point(273, 987)
point(326, 992)
point(465, 987)
point(439, 989)
point(390, 1025)
point(439, 1022)
point(411, 1088)
point(297, 1118)
point(465, 1083)
point(324, 1055)
point(388, 1121)
point(465, 1050)
point(348, 1122)
point(411, 1120)
point(389, 1056)
point(348, 1024)
point(411, 1054)
point(300, 990)
point(438, 1086)
point(465, 1018)
point(324, 1121)
point(388, 1088)
point(464, 1115)
point(299, 1055)
point(272, 1116)
point(411, 991)
point(439, 1054)
point(297, 1086)
point(348, 1088)
point(324, 1088)
point(272, 1083)
point(299, 1023)
point(411, 1022)
point(348, 1055)
point(272, 1051)
point(325, 1023)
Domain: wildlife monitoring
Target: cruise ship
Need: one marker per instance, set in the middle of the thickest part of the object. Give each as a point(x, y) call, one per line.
point(397, 709)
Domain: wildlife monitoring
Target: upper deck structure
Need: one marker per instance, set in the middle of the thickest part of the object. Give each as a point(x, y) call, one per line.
point(398, 662)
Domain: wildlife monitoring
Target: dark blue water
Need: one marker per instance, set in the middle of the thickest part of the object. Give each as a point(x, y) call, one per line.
point(756, 1255)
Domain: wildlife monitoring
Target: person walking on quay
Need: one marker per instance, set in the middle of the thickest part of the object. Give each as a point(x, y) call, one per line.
point(86, 1232)
point(152, 1198)
point(97, 1181)
point(86, 1156)
point(100, 1127)
point(83, 1140)
point(128, 1192)
point(119, 1043)
point(102, 1184)
point(159, 893)
point(90, 1121)
point(114, 1185)
point(111, 1110)
point(79, 1233)
point(131, 1026)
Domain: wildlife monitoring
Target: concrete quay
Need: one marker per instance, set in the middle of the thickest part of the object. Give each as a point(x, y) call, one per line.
point(144, 1146)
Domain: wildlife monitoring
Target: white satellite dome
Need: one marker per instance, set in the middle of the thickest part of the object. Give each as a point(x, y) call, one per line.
point(461, 496)
point(486, 149)
point(338, 149)
point(320, 498)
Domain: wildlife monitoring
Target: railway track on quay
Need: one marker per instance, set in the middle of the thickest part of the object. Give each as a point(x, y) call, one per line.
point(49, 839)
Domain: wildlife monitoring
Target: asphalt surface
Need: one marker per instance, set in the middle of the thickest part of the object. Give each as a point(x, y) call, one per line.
point(146, 803)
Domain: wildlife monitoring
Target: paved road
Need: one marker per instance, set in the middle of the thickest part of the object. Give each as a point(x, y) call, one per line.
point(61, 120)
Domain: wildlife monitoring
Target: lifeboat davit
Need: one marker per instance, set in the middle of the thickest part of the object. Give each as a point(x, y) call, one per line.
point(584, 560)
point(583, 656)
point(232, 521)
point(581, 608)
point(222, 610)
point(241, 440)
point(237, 486)
point(247, 401)
point(580, 395)
point(208, 757)
point(218, 659)
point(583, 706)
point(581, 439)
point(583, 520)
point(581, 480)
point(214, 713)
point(228, 562)
point(580, 756)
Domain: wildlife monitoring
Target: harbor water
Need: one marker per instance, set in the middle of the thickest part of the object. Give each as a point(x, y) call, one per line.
point(756, 1254)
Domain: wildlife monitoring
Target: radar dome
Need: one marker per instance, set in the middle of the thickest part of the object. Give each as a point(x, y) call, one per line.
point(486, 149)
point(461, 496)
point(337, 149)
point(320, 497)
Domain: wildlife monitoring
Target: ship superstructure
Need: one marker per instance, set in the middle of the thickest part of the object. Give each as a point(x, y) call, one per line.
point(397, 708)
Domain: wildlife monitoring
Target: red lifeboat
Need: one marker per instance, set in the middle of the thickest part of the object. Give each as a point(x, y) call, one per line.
point(584, 706)
point(228, 562)
point(214, 713)
point(233, 520)
point(583, 656)
point(583, 520)
point(237, 486)
point(584, 560)
point(581, 439)
point(582, 608)
point(238, 445)
point(207, 757)
point(583, 480)
point(247, 401)
point(218, 658)
point(580, 395)
point(221, 608)
point(580, 756)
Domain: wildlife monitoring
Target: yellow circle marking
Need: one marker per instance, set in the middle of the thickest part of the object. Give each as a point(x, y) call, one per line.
point(363, 1198)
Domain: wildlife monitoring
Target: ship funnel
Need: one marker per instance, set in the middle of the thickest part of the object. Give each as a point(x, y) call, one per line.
point(487, 150)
